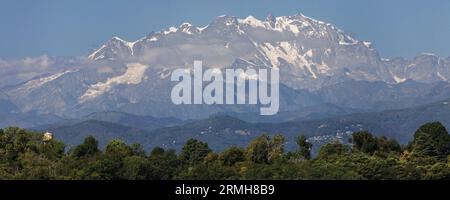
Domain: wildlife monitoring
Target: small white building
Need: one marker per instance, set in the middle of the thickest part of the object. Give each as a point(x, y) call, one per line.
point(47, 136)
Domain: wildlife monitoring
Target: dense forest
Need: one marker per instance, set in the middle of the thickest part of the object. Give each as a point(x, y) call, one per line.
point(31, 155)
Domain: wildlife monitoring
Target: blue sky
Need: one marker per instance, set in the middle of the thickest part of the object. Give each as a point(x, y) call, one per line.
point(68, 27)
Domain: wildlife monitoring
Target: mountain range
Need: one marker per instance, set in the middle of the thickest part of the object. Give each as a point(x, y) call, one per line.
point(326, 74)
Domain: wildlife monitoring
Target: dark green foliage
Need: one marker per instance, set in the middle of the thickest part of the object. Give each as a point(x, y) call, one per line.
point(388, 145)
point(334, 149)
point(164, 164)
point(88, 148)
point(194, 151)
point(232, 155)
point(258, 149)
point(25, 155)
point(135, 168)
point(304, 147)
point(431, 140)
point(367, 143)
point(276, 147)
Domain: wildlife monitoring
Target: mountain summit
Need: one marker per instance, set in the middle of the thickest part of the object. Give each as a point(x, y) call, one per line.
point(311, 53)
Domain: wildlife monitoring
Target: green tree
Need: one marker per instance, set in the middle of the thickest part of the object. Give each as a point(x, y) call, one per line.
point(164, 164)
point(258, 149)
point(334, 149)
point(365, 142)
point(135, 168)
point(438, 171)
point(276, 147)
point(231, 156)
point(110, 165)
point(137, 150)
point(36, 167)
point(304, 147)
point(388, 145)
point(194, 151)
point(431, 140)
point(88, 148)
point(118, 148)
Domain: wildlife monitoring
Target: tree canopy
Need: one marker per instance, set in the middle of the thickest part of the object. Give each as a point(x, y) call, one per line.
point(26, 155)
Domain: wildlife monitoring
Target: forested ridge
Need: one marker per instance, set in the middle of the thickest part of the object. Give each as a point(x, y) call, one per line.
point(31, 155)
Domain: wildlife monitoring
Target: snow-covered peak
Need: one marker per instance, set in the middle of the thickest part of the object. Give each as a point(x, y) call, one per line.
point(252, 21)
point(170, 30)
point(187, 28)
point(300, 24)
point(130, 45)
point(302, 17)
point(224, 26)
point(114, 46)
point(118, 39)
point(226, 20)
point(271, 19)
point(185, 25)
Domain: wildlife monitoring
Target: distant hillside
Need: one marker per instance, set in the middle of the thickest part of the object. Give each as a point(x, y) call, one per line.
point(399, 124)
point(142, 122)
point(103, 131)
point(321, 111)
point(223, 131)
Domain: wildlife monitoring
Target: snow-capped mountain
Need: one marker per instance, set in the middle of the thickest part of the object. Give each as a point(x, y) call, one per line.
point(313, 56)
point(308, 52)
point(115, 48)
point(426, 68)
